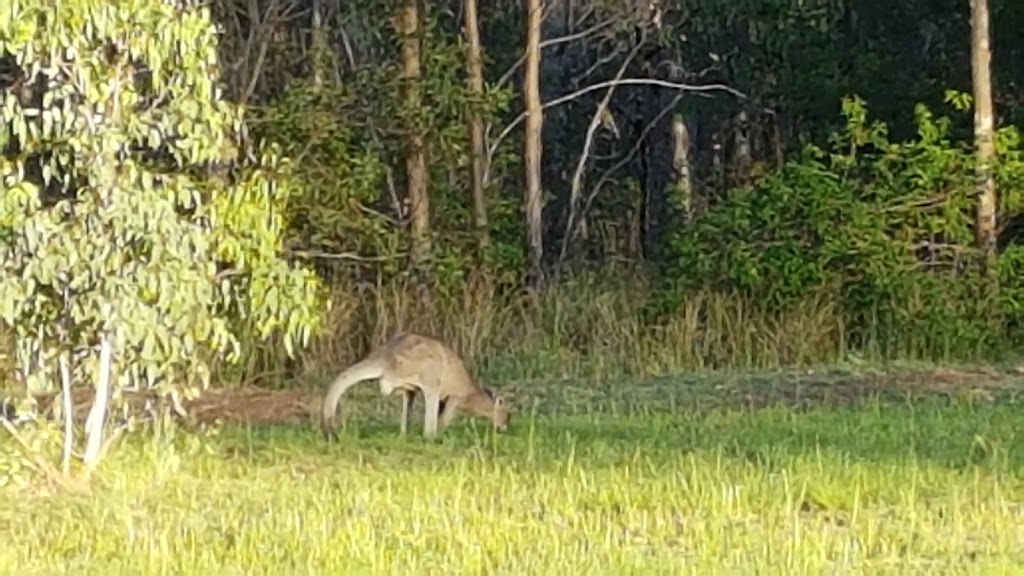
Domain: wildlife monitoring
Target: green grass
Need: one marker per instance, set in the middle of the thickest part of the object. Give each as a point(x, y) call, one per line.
point(689, 485)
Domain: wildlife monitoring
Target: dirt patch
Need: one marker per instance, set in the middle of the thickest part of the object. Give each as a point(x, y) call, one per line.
point(254, 405)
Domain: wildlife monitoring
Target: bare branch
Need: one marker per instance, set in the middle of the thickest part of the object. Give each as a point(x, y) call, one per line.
point(261, 27)
point(595, 66)
point(577, 179)
point(554, 42)
point(395, 221)
point(579, 35)
point(606, 176)
point(320, 255)
point(621, 82)
point(261, 56)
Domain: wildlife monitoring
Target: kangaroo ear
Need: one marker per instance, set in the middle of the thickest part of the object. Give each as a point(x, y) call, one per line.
point(493, 395)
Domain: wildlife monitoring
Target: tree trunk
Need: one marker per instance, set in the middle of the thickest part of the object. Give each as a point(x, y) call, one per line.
point(682, 168)
point(96, 421)
point(475, 82)
point(533, 146)
point(67, 410)
point(742, 156)
point(319, 45)
point(718, 180)
point(415, 159)
point(981, 54)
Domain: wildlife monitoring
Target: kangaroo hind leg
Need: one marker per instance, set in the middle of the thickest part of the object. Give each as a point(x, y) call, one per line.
point(408, 397)
point(432, 401)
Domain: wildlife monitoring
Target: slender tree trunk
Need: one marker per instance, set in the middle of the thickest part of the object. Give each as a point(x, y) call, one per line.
point(68, 410)
point(778, 149)
point(415, 158)
point(719, 136)
point(742, 156)
point(96, 420)
point(682, 168)
point(475, 82)
point(319, 48)
point(984, 122)
point(533, 143)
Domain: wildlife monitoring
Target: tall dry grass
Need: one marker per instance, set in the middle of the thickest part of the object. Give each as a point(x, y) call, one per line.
point(589, 325)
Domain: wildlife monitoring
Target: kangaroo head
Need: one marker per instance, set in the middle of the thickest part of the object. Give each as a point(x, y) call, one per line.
point(500, 415)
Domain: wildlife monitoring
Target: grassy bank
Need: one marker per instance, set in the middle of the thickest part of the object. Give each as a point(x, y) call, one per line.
point(678, 477)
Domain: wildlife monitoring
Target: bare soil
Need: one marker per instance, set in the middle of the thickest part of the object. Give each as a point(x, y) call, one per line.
point(255, 405)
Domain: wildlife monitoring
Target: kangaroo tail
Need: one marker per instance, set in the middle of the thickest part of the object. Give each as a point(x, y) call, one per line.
point(365, 370)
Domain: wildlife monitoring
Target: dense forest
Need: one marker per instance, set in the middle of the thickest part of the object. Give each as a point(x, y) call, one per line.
point(257, 191)
point(712, 184)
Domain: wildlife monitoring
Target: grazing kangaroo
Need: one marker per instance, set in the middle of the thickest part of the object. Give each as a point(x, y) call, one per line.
point(413, 363)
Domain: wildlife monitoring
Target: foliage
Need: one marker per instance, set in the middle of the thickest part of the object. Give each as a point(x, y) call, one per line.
point(888, 225)
point(342, 188)
point(127, 215)
point(349, 139)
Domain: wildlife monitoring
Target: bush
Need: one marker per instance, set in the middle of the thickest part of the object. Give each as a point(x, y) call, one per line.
point(886, 227)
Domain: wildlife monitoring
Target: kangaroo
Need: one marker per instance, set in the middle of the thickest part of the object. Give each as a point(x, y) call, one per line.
point(413, 363)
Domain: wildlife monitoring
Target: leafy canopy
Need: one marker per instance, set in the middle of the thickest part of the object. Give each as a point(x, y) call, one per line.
point(126, 208)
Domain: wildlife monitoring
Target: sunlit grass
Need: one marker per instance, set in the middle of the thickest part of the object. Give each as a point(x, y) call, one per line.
point(611, 488)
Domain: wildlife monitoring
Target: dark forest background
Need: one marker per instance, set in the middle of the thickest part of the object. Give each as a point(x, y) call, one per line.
point(745, 184)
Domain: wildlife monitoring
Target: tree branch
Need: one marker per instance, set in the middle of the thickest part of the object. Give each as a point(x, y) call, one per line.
point(320, 255)
point(577, 179)
point(261, 55)
point(577, 80)
point(553, 42)
point(606, 176)
point(621, 82)
point(260, 32)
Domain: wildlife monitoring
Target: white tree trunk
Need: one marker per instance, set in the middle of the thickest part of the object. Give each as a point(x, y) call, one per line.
point(98, 413)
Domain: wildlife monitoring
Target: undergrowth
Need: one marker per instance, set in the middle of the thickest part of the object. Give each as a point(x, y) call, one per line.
point(590, 325)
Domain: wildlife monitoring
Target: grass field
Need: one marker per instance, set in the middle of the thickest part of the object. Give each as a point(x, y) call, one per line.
point(778, 474)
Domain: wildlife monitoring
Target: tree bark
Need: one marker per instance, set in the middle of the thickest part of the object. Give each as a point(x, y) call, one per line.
point(415, 158)
point(682, 168)
point(319, 42)
point(533, 144)
point(985, 227)
point(742, 156)
point(475, 84)
point(96, 421)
